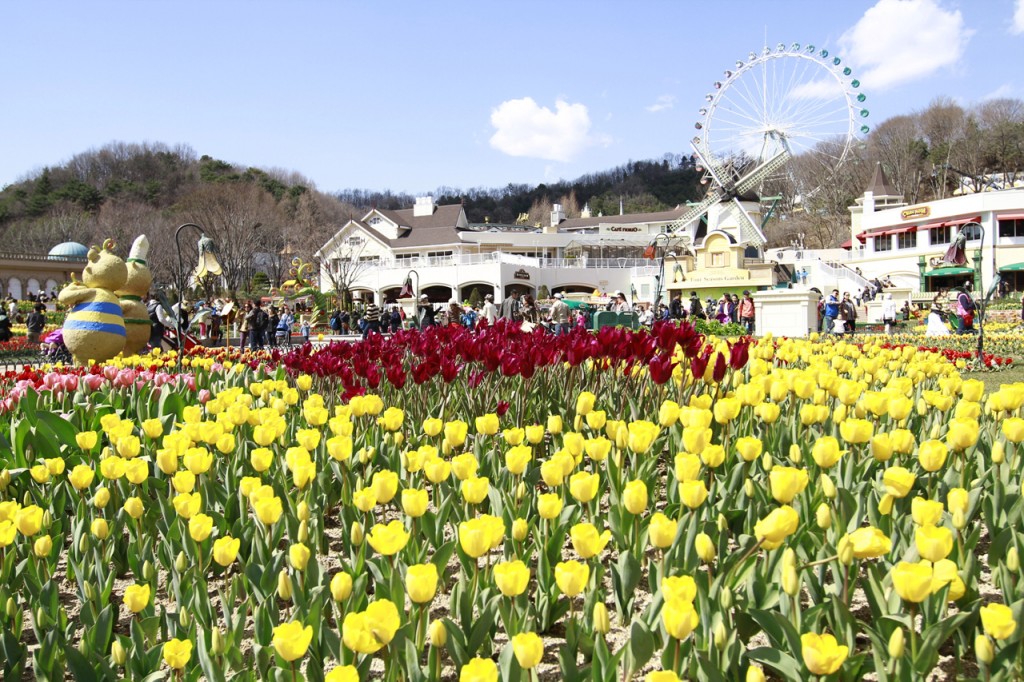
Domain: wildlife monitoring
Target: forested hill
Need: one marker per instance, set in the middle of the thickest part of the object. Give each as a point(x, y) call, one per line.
point(640, 186)
point(98, 192)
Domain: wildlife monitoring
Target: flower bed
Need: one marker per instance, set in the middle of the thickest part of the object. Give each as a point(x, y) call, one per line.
point(454, 506)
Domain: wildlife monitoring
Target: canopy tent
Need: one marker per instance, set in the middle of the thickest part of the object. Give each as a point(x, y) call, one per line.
point(943, 272)
point(1014, 267)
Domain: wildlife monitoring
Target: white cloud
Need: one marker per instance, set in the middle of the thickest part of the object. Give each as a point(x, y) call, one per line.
point(826, 88)
point(897, 41)
point(1004, 90)
point(524, 128)
point(1018, 18)
point(663, 103)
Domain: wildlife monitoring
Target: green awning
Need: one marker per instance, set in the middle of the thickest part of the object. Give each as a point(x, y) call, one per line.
point(1016, 267)
point(943, 272)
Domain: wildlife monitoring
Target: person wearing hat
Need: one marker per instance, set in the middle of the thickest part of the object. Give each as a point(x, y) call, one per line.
point(490, 311)
point(560, 315)
point(746, 312)
point(425, 312)
point(619, 304)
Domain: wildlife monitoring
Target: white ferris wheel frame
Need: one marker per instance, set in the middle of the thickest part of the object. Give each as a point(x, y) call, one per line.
point(817, 66)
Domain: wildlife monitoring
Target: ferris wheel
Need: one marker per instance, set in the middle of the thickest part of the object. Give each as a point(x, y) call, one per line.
point(795, 101)
point(797, 98)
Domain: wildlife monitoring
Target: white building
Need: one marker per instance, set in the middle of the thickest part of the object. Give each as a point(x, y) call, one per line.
point(447, 257)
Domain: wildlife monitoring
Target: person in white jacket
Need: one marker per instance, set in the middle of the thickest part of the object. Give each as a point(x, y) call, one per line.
point(889, 313)
point(490, 311)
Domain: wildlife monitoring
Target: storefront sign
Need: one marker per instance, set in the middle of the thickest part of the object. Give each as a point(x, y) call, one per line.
point(521, 274)
point(623, 228)
point(914, 213)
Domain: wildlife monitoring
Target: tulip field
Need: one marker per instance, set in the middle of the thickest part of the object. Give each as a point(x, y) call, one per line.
point(476, 506)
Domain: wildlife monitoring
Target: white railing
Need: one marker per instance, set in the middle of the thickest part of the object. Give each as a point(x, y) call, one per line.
point(512, 259)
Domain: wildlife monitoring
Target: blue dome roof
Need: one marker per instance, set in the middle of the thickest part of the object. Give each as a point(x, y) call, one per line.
point(70, 250)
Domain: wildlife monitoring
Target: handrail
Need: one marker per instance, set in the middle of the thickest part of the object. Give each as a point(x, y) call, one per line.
point(13, 255)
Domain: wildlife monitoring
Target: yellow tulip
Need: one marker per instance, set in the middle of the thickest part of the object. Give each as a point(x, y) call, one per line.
point(421, 582)
point(176, 653)
point(587, 541)
point(153, 428)
point(298, 556)
point(634, 497)
point(749, 448)
point(856, 431)
point(668, 413)
point(687, 467)
point(465, 466)
point(958, 499)
point(99, 528)
point(679, 618)
point(998, 621)
point(415, 502)
point(776, 526)
point(944, 573)
point(392, 419)
point(549, 505)
point(933, 542)
point(291, 640)
point(584, 486)
point(585, 403)
point(822, 654)
point(962, 434)
point(341, 586)
point(693, 493)
point(534, 433)
point(29, 520)
point(571, 577)
point(679, 588)
point(86, 440)
point(786, 483)
point(136, 597)
point(932, 455)
point(596, 419)
point(869, 543)
point(1013, 429)
point(479, 670)
point(912, 582)
point(517, 457)
point(81, 476)
point(384, 485)
point(474, 490)
point(477, 536)
point(432, 426)
point(926, 512)
point(437, 470)
point(712, 455)
point(898, 481)
point(826, 452)
point(388, 539)
point(662, 531)
point(511, 577)
point(705, 548)
point(225, 550)
point(641, 435)
point(200, 526)
point(725, 410)
point(487, 425)
point(268, 510)
point(528, 649)
point(455, 433)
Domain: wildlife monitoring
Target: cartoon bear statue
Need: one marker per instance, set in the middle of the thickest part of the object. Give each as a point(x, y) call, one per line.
point(94, 328)
point(136, 316)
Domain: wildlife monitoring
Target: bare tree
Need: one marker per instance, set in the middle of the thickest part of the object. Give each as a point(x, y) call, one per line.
point(897, 143)
point(943, 125)
point(1003, 123)
point(241, 219)
point(343, 264)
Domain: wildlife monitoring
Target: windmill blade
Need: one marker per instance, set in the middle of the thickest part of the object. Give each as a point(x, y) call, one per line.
point(695, 211)
point(750, 233)
point(754, 177)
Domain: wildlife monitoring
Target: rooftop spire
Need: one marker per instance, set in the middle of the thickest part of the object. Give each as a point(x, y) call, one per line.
point(880, 185)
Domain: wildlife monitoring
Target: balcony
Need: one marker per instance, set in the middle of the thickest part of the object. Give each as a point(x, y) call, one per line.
point(423, 262)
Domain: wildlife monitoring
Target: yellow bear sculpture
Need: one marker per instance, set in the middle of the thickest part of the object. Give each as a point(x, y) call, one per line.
point(94, 328)
point(136, 316)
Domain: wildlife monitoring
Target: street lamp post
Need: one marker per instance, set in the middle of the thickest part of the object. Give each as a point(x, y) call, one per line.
point(207, 265)
point(652, 249)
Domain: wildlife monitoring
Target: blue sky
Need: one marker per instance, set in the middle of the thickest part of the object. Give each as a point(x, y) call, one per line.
point(410, 96)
